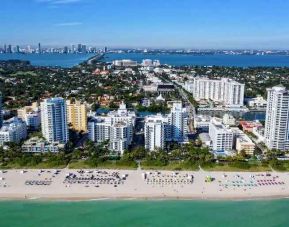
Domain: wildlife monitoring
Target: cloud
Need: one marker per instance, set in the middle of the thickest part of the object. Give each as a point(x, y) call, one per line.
point(67, 24)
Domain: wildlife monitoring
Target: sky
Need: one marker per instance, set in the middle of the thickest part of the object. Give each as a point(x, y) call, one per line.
point(197, 24)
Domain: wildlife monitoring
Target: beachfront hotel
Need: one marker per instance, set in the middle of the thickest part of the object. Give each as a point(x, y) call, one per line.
point(225, 91)
point(77, 115)
point(155, 132)
point(117, 128)
point(31, 115)
point(221, 136)
point(13, 130)
point(54, 120)
point(277, 118)
point(166, 128)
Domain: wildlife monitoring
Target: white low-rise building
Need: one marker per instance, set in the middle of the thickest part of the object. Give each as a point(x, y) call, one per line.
point(39, 145)
point(258, 102)
point(124, 63)
point(13, 130)
point(229, 120)
point(31, 115)
point(244, 143)
point(202, 122)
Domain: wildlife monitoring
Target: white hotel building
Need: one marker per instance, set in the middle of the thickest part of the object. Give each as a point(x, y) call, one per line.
point(13, 130)
point(221, 136)
point(277, 118)
point(172, 127)
point(225, 91)
point(155, 132)
point(117, 127)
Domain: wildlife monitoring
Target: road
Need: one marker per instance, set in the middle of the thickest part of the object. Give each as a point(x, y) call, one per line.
point(190, 106)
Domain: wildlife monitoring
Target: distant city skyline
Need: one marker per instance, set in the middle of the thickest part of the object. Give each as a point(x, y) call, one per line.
point(196, 24)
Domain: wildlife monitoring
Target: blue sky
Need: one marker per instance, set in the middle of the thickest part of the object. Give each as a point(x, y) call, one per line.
point(147, 23)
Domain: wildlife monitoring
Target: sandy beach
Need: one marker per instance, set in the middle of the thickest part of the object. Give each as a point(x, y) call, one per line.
point(67, 184)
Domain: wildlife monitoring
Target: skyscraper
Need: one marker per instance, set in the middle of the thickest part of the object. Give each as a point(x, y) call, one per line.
point(83, 49)
point(277, 118)
point(1, 114)
point(17, 49)
point(79, 48)
point(65, 50)
point(39, 48)
point(54, 120)
point(9, 49)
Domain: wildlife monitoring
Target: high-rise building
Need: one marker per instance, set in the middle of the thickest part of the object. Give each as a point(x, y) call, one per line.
point(77, 115)
point(226, 91)
point(1, 110)
point(5, 48)
point(65, 50)
point(17, 49)
point(277, 118)
point(117, 128)
point(120, 137)
point(221, 136)
point(155, 132)
point(9, 49)
point(72, 48)
point(172, 127)
point(79, 48)
point(83, 49)
point(54, 120)
point(13, 130)
point(178, 119)
point(39, 48)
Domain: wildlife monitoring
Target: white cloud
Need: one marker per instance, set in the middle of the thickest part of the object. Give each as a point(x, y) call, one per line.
point(67, 24)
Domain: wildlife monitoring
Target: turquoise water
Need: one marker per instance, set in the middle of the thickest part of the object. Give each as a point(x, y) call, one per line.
point(62, 60)
point(145, 213)
point(206, 60)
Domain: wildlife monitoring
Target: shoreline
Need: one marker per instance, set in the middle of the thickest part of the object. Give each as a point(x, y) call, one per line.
point(124, 198)
point(132, 185)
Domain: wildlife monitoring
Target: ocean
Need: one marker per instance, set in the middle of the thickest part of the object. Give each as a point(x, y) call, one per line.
point(137, 213)
point(70, 60)
point(61, 60)
point(206, 60)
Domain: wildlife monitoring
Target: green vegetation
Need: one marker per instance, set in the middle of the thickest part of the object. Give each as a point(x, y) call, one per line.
point(14, 158)
point(185, 157)
point(116, 164)
point(22, 84)
point(236, 166)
